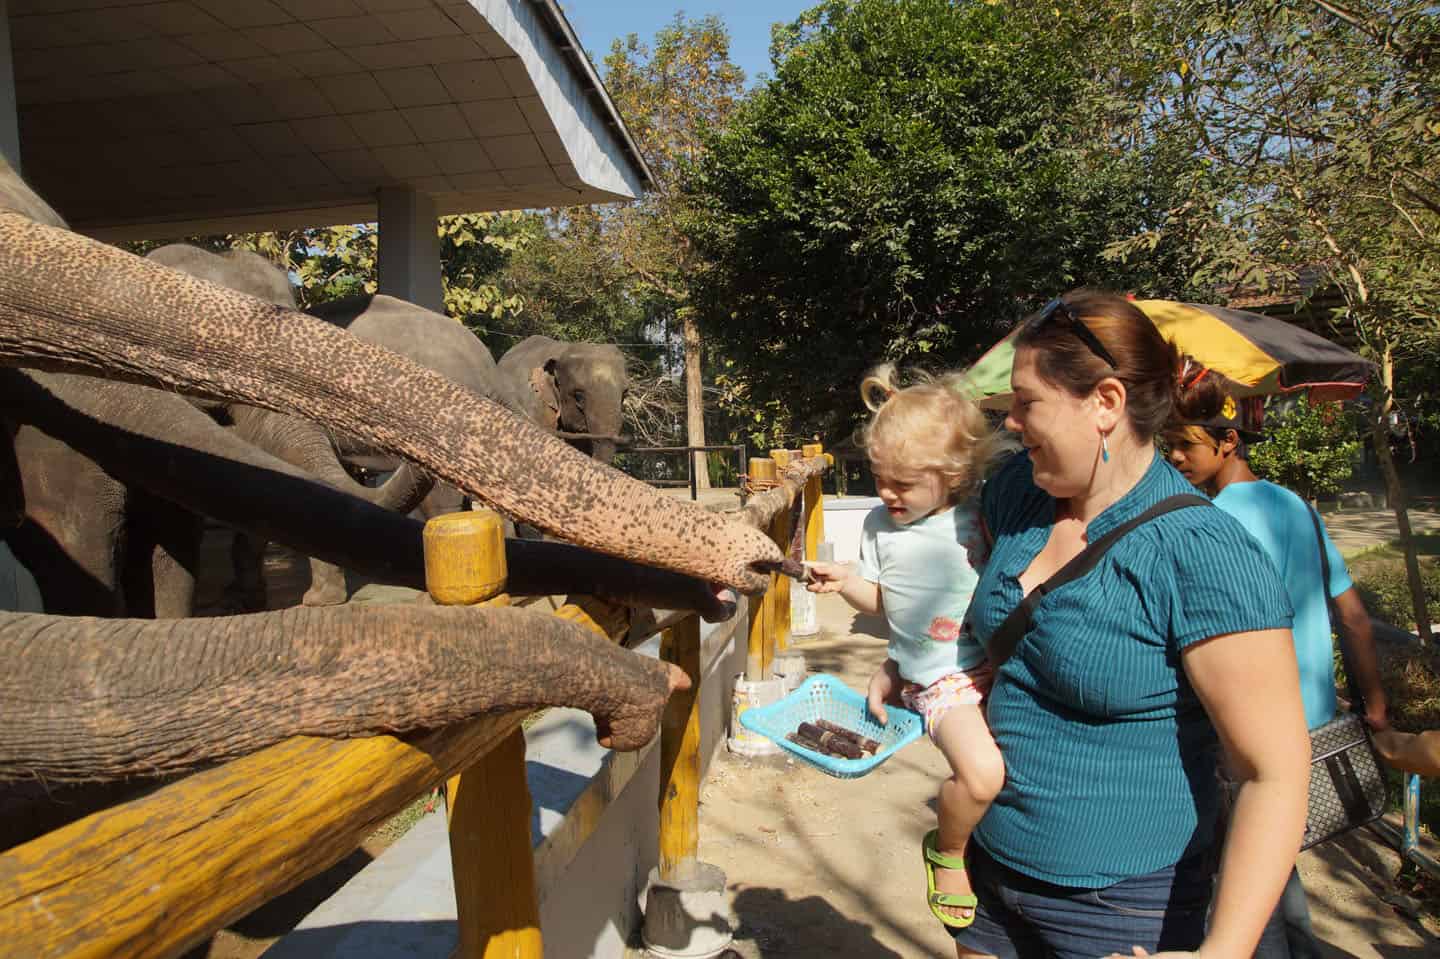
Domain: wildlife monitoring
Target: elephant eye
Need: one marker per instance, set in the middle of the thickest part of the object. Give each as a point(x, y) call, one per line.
point(579, 396)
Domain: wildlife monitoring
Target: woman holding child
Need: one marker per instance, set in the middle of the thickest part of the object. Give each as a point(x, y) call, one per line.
point(1109, 702)
point(1109, 707)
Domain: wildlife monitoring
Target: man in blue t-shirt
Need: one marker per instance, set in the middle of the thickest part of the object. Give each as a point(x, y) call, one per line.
point(1211, 454)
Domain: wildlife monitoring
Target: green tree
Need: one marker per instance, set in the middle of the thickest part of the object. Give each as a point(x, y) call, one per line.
point(1310, 449)
point(624, 272)
point(330, 263)
point(1316, 127)
point(916, 175)
point(670, 94)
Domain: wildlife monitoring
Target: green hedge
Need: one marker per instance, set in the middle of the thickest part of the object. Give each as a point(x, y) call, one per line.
point(1387, 594)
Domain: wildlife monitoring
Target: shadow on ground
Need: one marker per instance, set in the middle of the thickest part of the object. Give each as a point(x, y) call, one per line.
point(811, 927)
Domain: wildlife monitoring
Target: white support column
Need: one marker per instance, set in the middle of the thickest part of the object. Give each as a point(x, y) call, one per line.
point(9, 122)
point(410, 248)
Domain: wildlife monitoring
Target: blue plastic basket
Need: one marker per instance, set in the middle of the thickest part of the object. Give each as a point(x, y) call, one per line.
point(825, 697)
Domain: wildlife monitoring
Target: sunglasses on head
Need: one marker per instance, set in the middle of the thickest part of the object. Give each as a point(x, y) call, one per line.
point(1058, 311)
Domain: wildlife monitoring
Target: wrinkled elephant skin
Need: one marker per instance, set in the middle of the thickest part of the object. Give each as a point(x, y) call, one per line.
point(296, 441)
point(243, 349)
point(434, 341)
point(179, 692)
point(163, 691)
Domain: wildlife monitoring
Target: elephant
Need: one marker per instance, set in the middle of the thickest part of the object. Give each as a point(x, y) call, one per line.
point(296, 441)
point(576, 388)
point(90, 700)
point(104, 547)
point(434, 341)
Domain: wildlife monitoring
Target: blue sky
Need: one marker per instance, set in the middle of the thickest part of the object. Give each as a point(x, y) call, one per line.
point(599, 22)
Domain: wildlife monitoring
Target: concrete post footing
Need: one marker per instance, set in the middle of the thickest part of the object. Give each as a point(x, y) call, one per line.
point(790, 667)
point(688, 918)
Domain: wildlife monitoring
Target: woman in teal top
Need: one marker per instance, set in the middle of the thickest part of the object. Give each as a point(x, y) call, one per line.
point(1110, 708)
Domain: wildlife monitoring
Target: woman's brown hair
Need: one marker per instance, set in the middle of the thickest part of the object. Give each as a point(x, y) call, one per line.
point(1145, 362)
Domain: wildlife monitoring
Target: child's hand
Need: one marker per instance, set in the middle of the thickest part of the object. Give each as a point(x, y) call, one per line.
point(827, 577)
point(884, 688)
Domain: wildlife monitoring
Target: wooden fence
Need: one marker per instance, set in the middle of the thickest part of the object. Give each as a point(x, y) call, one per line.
point(154, 876)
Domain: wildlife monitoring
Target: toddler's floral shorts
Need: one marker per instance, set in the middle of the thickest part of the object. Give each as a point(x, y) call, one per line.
point(965, 687)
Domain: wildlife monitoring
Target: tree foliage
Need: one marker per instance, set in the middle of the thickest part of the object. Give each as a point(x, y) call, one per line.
point(624, 272)
point(1309, 449)
point(1317, 128)
point(915, 176)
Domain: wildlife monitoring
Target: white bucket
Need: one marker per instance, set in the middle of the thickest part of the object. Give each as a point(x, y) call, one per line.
point(749, 695)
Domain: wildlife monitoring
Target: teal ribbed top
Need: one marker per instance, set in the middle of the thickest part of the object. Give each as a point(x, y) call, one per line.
point(1109, 756)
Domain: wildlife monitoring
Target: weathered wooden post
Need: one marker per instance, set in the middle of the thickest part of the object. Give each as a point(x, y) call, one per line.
point(757, 686)
point(763, 476)
point(814, 506)
point(680, 755)
point(489, 803)
point(812, 523)
point(781, 529)
point(788, 664)
point(686, 913)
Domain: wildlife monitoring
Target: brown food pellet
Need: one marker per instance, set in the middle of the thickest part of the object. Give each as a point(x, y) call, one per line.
point(865, 743)
point(828, 742)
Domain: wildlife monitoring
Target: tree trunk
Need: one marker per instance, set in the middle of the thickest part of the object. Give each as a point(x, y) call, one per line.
point(695, 400)
point(1380, 439)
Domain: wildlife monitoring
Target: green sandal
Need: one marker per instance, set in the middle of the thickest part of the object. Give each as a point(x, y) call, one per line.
point(942, 900)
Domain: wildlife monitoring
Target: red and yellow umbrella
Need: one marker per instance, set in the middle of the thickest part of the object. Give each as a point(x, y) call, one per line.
point(1259, 354)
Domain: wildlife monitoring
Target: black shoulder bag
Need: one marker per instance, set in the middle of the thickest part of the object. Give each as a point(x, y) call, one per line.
point(1347, 780)
point(1009, 633)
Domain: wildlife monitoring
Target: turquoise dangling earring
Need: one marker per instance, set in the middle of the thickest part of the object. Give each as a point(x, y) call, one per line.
point(1104, 449)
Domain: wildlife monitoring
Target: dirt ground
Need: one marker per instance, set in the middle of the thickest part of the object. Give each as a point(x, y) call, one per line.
point(819, 866)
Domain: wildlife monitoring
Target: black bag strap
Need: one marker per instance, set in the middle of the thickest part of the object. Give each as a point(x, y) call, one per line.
point(1351, 685)
point(1007, 636)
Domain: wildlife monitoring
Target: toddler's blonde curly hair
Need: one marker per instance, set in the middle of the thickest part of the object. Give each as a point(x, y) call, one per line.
point(929, 423)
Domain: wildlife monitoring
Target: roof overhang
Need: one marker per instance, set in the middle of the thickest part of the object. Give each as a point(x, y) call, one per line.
point(149, 119)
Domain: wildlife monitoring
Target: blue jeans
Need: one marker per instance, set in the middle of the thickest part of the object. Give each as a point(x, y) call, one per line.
point(1288, 934)
point(1020, 917)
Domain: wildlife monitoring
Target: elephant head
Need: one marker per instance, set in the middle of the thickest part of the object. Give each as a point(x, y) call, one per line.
point(71, 304)
point(575, 388)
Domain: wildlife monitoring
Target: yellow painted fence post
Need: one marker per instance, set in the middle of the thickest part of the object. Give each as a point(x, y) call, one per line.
point(781, 529)
point(488, 804)
point(814, 511)
point(680, 755)
point(758, 650)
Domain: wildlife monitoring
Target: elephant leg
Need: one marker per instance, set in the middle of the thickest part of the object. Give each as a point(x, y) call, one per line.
point(303, 444)
point(247, 592)
point(72, 534)
point(327, 585)
point(161, 558)
point(175, 563)
point(443, 499)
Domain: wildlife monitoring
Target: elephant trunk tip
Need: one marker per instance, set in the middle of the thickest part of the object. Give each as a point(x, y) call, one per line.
point(630, 729)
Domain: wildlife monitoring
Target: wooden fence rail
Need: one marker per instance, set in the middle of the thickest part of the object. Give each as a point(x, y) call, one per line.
point(155, 876)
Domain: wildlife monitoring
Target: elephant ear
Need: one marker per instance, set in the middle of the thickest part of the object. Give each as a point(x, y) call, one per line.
point(542, 384)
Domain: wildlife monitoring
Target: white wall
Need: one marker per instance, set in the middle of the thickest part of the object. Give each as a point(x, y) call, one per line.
point(844, 519)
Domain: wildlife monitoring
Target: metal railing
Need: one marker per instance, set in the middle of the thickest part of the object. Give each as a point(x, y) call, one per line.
point(690, 477)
